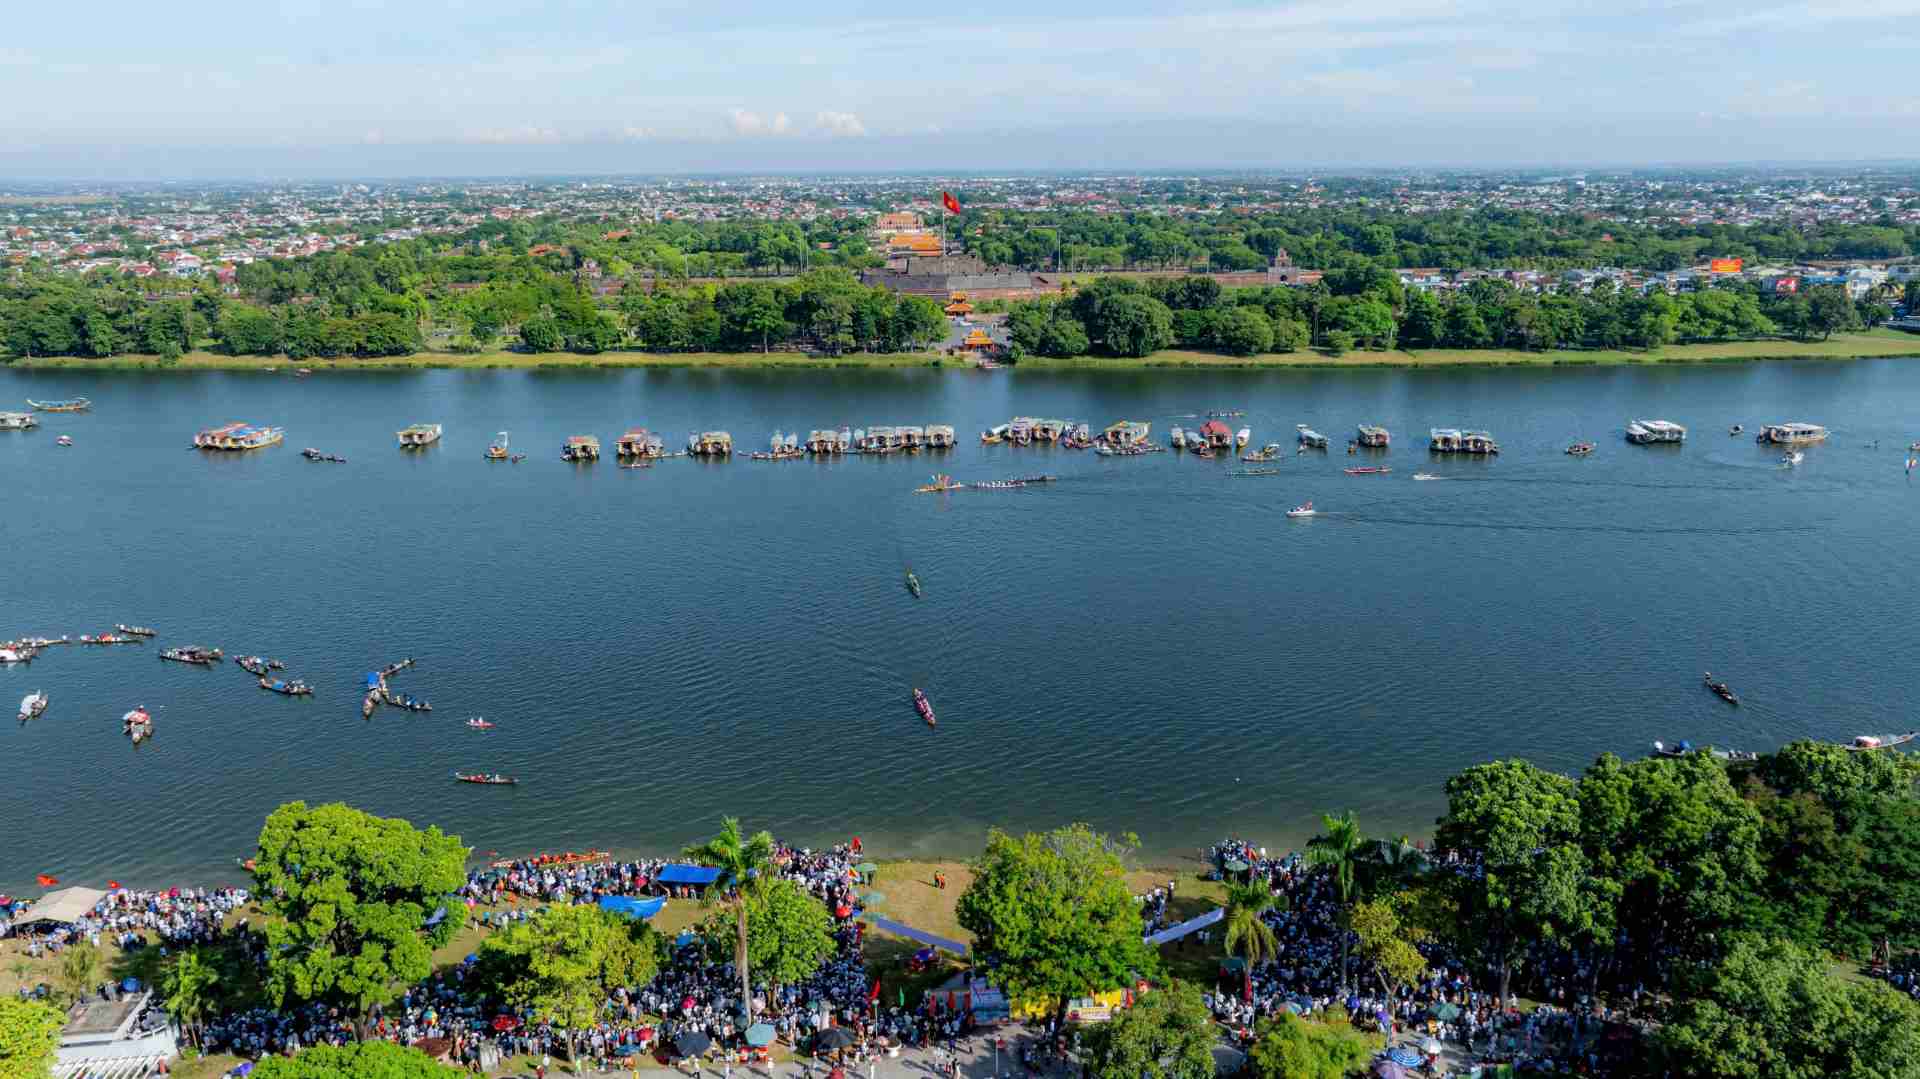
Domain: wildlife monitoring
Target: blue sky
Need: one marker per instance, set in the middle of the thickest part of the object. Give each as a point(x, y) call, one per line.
point(341, 87)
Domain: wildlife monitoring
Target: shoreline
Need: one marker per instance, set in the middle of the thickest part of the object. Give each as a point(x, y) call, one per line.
point(1872, 344)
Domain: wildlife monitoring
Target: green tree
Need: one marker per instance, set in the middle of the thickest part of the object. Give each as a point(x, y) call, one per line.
point(81, 970)
point(750, 311)
point(541, 333)
point(347, 896)
point(1387, 944)
point(29, 1035)
point(364, 1060)
point(1242, 927)
point(1339, 850)
point(563, 962)
point(1828, 310)
point(789, 934)
point(1290, 1047)
point(190, 986)
point(1133, 325)
point(1054, 913)
point(744, 864)
point(1167, 1034)
point(1243, 331)
point(1772, 1008)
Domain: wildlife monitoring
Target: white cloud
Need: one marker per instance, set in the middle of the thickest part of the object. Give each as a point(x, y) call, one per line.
point(515, 136)
point(748, 124)
point(839, 123)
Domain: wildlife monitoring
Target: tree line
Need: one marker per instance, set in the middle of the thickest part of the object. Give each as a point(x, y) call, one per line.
point(1362, 306)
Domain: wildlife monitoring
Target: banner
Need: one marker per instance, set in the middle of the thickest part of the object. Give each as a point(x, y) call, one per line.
point(1726, 265)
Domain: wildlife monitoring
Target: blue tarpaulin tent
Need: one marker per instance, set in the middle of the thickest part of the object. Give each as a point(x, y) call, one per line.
point(688, 874)
point(888, 925)
point(631, 907)
point(1191, 925)
point(373, 680)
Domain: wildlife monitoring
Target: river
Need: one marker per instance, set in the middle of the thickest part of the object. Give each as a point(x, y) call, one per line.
point(1146, 645)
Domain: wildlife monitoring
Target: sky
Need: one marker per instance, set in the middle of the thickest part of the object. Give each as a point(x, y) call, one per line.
point(129, 89)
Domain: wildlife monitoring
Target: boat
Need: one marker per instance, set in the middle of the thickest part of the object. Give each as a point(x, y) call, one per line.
point(397, 667)
point(74, 404)
point(1793, 458)
point(1303, 511)
point(1736, 429)
point(17, 421)
point(1241, 437)
point(1374, 436)
point(913, 584)
point(710, 444)
point(63, 440)
point(1580, 449)
point(418, 435)
point(1722, 690)
point(234, 437)
point(105, 638)
point(1178, 436)
point(137, 724)
point(134, 631)
point(290, 688)
point(580, 448)
point(940, 482)
point(479, 724)
point(1425, 476)
point(1267, 453)
point(1309, 437)
point(543, 860)
point(1650, 432)
point(493, 779)
point(993, 436)
point(1681, 749)
point(1369, 470)
point(254, 665)
point(369, 703)
point(312, 454)
point(1253, 472)
point(498, 450)
point(1007, 485)
point(1862, 742)
point(1226, 413)
point(1455, 440)
point(923, 706)
point(32, 705)
point(201, 657)
point(1792, 434)
point(411, 704)
point(641, 443)
point(18, 655)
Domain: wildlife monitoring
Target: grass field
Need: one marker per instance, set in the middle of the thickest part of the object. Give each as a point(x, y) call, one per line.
point(1842, 346)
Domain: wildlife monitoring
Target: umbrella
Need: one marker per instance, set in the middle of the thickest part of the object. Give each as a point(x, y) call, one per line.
point(505, 1022)
point(842, 911)
point(246, 1067)
point(1387, 1069)
point(1404, 1057)
point(131, 985)
point(692, 1043)
point(1236, 866)
point(834, 1038)
point(685, 939)
point(760, 1034)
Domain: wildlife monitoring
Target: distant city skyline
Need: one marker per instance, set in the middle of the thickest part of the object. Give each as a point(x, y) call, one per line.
point(500, 87)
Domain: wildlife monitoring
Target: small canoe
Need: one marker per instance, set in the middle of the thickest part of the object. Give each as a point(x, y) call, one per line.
point(923, 706)
point(486, 779)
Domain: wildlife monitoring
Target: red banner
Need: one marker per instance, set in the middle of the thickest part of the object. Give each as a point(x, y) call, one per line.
point(1726, 265)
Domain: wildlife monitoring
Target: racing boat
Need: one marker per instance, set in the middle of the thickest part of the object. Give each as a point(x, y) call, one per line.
point(1425, 476)
point(1369, 470)
point(923, 706)
point(494, 779)
point(1881, 741)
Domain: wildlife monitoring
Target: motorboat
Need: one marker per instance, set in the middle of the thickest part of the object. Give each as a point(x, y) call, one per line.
point(137, 724)
point(135, 631)
point(1682, 748)
point(1736, 429)
point(923, 706)
point(1649, 432)
point(1722, 690)
point(1425, 476)
point(913, 584)
point(493, 779)
point(1303, 511)
point(1580, 449)
point(63, 440)
point(1177, 436)
point(294, 688)
point(479, 724)
point(32, 705)
point(499, 450)
point(1793, 458)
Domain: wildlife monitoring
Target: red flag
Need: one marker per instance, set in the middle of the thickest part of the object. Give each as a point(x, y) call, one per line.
point(46, 881)
point(952, 204)
point(114, 884)
point(875, 995)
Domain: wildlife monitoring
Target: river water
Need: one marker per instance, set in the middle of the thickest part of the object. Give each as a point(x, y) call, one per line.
point(1147, 645)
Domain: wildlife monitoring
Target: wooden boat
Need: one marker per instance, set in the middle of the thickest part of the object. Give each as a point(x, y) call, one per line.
point(106, 638)
point(1864, 742)
point(923, 706)
point(1580, 449)
point(418, 435)
point(32, 705)
point(913, 584)
point(312, 454)
point(942, 482)
point(369, 703)
point(294, 688)
point(396, 668)
point(479, 724)
point(238, 436)
point(411, 704)
point(136, 721)
point(1661, 749)
point(1369, 470)
point(1267, 453)
point(498, 451)
point(1006, 485)
point(1254, 472)
point(190, 655)
point(253, 665)
point(136, 631)
point(493, 779)
point(1721, 689)
point(76, 404)
point(543, 860)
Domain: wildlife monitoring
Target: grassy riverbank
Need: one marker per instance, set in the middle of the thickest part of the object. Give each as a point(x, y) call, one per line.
point(1872, 343)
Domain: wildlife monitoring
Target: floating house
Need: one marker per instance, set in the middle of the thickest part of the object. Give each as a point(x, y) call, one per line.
point(823, 442)
point(237, 436)
point(711, 444)
point(940, 436)
point(17, 421)
point(1455, 440)
point(1217, 435)
point(418, 435)
point(1049, 430)
point(1080, 434)
point(1793, 434)
point(912, 438)
point(1127, 433)
point(1372, 435)
point(580, 448)
point(640, 442)
point(1647, 432)
point(1020, 430)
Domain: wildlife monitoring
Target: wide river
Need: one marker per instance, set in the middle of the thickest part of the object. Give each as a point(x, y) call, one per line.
point(1147, 645)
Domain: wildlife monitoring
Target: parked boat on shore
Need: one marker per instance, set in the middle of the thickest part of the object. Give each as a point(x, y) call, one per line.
point(33, 705)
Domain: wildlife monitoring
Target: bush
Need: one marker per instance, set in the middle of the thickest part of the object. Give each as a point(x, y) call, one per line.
point(1339, 342)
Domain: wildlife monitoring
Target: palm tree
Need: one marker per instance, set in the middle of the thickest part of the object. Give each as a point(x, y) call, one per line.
point(741, 863)
point(1246, 931)
point(1339, 850)
point(187, 985)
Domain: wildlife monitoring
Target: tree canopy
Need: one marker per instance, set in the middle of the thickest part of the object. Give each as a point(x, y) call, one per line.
point(789, 933)
point(29, 1035)
point(562, 963)
point(1167, 1034)
point(1290, 1047)
point(362, 1060)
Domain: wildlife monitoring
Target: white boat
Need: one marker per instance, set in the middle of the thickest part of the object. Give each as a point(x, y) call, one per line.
point(64, 440)
point(1792, 434)
point(1793, 458)
point(1241, 437)
point(32, 705)
point(1178, 437)
point(843, 440)
point(1648, 432)
point(1303, 511)
point(1310, 437)
point(8, 655)
point(1425, 476)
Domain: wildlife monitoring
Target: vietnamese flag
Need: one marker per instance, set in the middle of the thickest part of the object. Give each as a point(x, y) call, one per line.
point(46, 881)
point(114, 884)
point(952, 204)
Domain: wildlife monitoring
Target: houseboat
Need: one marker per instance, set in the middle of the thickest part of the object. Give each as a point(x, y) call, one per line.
point(1126, 434)
point(1177, 437)
point(1375, 436)
point(1455, 440)
point(1648, 432)
point(419, 435)
point(877, 440)
point(842, 440)
point(823, 442)
point(1020, 430)
point(1792, 434)
point(940, 436)
point(912, 438)
point(711, 444)
point(17, 421)
point(238, 436)
point(1080, 436)
point(1216, 435)
point(640, 442)
point(1309, 437)
point(580, 448)
point(75, 404)
point(1049, 430)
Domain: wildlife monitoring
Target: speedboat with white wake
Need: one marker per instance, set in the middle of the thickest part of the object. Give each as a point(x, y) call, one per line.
point(1425, 476)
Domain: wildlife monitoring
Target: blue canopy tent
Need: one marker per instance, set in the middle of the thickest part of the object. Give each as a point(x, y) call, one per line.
point(373, 680)
point(631, 907)
point(1191, 925)
point(888, 925)
point(699, 875)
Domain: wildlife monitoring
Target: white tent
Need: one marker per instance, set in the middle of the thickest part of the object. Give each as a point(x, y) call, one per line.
point(65, 905)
